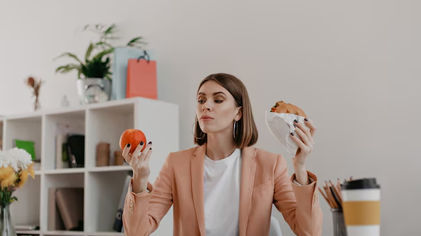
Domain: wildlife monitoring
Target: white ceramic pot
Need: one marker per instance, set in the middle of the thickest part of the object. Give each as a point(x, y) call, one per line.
point(93, 90)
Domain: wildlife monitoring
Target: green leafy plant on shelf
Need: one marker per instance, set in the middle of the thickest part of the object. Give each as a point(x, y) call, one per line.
point(96, 63)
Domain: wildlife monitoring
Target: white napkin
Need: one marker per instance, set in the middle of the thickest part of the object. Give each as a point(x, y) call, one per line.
point(281, 125)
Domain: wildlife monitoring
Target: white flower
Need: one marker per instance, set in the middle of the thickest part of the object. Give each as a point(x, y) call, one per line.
point(16, 158)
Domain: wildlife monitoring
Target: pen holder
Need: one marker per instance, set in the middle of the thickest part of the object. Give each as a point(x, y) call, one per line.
point(339, 228)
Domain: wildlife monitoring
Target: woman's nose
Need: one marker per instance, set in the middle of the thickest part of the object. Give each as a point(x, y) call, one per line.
point(206, 106)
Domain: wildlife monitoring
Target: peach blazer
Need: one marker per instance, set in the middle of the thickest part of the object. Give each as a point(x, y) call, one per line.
point(264, 181)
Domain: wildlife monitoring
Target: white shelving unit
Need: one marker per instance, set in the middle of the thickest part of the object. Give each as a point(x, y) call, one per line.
point(102, 122)
point(1, 133)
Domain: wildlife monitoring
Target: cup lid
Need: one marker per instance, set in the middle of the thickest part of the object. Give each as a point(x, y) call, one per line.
point(364, 183)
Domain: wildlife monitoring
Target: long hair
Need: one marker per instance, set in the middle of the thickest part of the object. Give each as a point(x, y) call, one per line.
point(246, 132)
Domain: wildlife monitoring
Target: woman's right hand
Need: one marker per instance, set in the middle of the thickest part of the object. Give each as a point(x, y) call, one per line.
point(139, 161)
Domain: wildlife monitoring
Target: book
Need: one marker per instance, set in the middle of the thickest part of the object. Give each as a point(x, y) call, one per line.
point(70, 205)
point(118, 221)
point(28, 146)
point(54, 219)
point(60, 139)
point(76, 150)
point(70, 157)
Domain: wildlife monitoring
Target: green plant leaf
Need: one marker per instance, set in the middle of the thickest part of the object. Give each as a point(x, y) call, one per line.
point(96, 68)
point(136, 42)
point(67, 68)
point(71, 55)
point(110, 30)
point(103, 53)
point(104, 44)
point(89, 51)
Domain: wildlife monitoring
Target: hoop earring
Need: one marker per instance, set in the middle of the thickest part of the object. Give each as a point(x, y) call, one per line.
point(234, 130)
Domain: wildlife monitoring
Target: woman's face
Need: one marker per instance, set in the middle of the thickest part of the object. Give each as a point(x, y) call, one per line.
point(216, 108)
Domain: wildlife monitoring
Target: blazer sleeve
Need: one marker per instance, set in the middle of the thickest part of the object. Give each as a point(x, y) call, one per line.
point(299, 205)
point(143, 211)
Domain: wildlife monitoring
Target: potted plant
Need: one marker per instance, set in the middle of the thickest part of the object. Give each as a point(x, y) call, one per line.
point(94, 71)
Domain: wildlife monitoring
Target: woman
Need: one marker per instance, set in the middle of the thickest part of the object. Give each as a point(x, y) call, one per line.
point(224, 185)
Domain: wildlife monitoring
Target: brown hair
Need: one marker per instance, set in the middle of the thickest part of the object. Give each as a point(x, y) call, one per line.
point(246, 131)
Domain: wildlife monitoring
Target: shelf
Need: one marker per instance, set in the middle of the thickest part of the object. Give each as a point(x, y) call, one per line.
point(28, 203)
point(105, 124)
point(109, 184)
point(65, 171)
point(82, 170)
point(64, 180)
point(28, 232)
point(26, 116)
point(103, 185)
point(70, 233)
point(105, 234)
point(64, 232)
point(58, 125)
point(1, 133)
point(23, 128)
point(110, 168)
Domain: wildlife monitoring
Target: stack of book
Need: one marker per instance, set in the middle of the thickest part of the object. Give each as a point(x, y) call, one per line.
point(65, 209)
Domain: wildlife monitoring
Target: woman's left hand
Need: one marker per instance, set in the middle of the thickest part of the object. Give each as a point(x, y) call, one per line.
point(304, 142)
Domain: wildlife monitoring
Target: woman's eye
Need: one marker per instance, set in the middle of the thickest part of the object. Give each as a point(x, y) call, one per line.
point(218, 101)
point(200, 101)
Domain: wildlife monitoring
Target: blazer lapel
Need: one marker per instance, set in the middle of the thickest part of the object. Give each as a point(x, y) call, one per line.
point(197, 170)
point(248, 169)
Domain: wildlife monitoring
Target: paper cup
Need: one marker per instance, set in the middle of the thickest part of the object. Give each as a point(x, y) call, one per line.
point(361, 207)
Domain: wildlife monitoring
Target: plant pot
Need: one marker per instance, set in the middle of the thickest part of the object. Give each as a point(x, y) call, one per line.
point(93, 90)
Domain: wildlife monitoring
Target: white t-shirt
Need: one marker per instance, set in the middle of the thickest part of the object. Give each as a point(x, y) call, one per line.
point(222, 194)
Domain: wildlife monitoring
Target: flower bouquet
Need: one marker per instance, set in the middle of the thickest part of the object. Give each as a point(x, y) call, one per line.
point(15, 167)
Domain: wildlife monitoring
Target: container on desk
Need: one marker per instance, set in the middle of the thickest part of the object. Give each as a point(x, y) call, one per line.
point(361, 206)
point(339, 228)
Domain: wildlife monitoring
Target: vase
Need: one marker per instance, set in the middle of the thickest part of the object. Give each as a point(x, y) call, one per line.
point(93, 90)
point(6, 226)
point(37, 105)
point(339, 228)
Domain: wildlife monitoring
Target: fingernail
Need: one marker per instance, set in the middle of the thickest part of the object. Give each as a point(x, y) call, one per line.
point(141, 142)
point(305, 119)
point(291, 134)
point(295, 121)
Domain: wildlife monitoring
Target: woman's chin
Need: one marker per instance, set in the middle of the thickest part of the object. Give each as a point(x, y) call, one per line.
point(206, 129)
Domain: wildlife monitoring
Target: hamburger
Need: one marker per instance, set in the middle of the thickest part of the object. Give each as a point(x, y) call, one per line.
point(283, 107)
point(280, 122)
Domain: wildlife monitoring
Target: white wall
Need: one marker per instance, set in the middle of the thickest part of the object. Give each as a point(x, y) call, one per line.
point(352, 65)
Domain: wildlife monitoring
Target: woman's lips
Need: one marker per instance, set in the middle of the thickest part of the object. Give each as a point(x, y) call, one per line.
point(206, 118)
